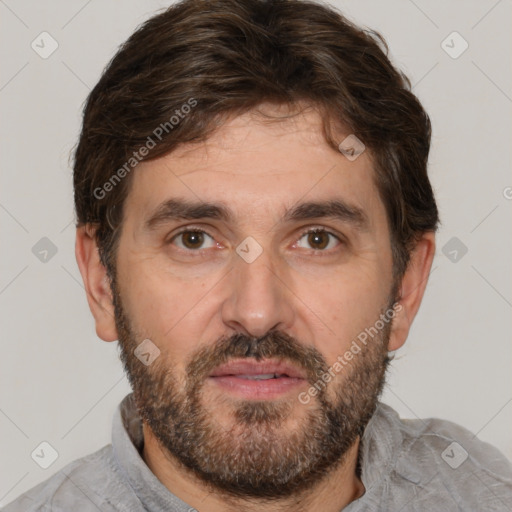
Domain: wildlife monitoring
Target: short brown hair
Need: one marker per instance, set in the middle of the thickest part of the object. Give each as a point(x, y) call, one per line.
point(226, 57)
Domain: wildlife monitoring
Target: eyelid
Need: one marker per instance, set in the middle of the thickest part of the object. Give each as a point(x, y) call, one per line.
point(324, 229)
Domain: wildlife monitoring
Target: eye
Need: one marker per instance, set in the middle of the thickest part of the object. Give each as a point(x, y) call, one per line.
point(318, 239)
point(192, 239)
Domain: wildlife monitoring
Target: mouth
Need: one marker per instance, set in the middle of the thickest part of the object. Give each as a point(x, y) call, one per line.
point(257, 380)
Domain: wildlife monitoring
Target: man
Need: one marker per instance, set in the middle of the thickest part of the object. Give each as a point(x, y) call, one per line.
point(256, 226)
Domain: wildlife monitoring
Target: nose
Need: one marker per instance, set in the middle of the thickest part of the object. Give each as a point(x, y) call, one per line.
point(259, 299)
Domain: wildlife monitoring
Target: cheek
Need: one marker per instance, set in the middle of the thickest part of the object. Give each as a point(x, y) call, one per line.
point(170, 311)
point(342, 310)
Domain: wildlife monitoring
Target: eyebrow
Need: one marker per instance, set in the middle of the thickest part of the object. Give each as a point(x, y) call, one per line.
point(181, 209)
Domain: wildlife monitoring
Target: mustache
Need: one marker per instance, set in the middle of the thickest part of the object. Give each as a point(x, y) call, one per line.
point(273, 345)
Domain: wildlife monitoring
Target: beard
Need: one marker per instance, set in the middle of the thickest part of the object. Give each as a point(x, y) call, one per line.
point(260, 449)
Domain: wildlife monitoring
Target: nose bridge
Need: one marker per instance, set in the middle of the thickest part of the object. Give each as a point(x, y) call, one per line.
point(258, 300)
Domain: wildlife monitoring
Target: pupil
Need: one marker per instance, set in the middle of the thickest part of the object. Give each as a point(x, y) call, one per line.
point(192, 239)
point(314, 240)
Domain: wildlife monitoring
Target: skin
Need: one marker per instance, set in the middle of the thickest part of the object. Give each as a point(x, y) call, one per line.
point(258, 169)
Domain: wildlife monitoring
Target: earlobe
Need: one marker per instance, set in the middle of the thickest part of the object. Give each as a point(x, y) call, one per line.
point(96, 282)
point(412, 289)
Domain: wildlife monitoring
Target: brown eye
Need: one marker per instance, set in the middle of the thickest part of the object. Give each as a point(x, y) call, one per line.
point(319, 239)
point(192, 240)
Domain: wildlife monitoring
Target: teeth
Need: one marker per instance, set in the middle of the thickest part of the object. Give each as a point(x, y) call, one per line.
point(262, 376)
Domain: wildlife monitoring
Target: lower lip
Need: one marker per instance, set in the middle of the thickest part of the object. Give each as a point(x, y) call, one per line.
point(257, 389)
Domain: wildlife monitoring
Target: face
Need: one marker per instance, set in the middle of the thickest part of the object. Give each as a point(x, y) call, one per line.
point(253, 262)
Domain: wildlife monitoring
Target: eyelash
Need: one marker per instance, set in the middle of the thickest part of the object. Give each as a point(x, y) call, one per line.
point(192, 229)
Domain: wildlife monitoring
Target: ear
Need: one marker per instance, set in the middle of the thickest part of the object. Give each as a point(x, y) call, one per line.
point(97, 283)
point(412, 288)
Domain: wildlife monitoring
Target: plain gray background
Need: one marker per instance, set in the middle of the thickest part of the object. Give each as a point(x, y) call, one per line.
point(59, 383)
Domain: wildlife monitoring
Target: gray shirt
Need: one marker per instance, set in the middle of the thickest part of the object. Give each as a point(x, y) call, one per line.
point(407, 465)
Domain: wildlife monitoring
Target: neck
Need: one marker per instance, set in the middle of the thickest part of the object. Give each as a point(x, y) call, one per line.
point(334, 492)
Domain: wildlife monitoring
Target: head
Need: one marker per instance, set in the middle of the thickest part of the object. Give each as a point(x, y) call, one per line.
point(251, 187)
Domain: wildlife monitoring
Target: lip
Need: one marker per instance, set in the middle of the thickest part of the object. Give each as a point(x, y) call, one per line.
point(253, 367)
point(229, 377)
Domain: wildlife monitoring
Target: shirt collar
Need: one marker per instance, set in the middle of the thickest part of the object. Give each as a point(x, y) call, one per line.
point(380, 445)
point(127, 445)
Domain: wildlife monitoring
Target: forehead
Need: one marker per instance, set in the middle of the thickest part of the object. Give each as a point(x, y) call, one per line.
point(259, 167)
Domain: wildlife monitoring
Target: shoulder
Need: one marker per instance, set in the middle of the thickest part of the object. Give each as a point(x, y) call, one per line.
point(454, 445)
point(90, 483)
point(448, 457)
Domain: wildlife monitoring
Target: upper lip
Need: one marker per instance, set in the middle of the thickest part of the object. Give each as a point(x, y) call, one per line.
point(253, 367)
